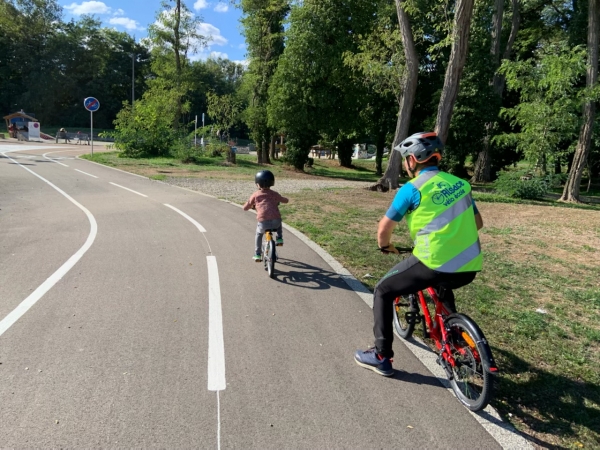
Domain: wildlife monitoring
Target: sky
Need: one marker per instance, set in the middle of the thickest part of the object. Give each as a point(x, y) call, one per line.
point(220, 21)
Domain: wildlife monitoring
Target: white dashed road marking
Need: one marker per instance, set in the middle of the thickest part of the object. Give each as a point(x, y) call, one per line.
point(85, 173)
point(127, 189)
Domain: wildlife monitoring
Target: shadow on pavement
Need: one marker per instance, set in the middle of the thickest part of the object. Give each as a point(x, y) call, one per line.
point(310, 277)
point(416, 378)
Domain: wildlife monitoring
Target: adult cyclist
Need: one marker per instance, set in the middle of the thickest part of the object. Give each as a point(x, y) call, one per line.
point(443, 221)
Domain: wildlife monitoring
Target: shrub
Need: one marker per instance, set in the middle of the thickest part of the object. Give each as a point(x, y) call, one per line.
point(184, 150)
point(524, 185)
point(216, 148)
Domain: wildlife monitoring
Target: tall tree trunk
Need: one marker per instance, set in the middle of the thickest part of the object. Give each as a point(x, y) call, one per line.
point(176, 49)
point(572, 186)
point(380, 145)
point(344, 153)
point(272, 148)
point(389, 180)
point(482, 172)
point(267, 154)
point(456, 64)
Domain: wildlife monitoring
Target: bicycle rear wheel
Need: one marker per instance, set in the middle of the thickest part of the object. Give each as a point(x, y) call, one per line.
point(402, 327)
point(471, 383)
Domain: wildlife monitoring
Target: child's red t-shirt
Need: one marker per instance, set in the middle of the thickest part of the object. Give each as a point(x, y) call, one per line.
point(266, 201)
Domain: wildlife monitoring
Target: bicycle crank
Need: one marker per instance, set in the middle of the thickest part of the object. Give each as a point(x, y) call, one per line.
point(442, 362)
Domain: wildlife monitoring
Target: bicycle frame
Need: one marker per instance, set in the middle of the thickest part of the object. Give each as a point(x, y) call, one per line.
point(436, 329)
point(438, 332)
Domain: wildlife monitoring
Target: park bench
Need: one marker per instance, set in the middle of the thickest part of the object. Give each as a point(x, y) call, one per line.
point(82, 138)
point(62, 135)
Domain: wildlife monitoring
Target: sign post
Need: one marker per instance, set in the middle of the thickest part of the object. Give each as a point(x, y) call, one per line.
point(92, 105)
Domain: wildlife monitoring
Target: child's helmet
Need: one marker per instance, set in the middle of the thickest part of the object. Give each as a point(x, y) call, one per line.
point(265, 178)
point(423, 146)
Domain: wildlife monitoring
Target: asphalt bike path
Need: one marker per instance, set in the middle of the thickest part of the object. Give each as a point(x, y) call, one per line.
point(108, 357)
point(123, 340)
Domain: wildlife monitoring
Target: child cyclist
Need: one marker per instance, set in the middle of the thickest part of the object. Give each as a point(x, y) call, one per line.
point(266, 202)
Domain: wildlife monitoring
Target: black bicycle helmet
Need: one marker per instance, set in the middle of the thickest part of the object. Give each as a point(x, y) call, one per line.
point(265, 178)
point(422, 146)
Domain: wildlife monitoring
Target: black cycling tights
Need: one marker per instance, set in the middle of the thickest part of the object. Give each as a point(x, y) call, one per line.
point(407, 277)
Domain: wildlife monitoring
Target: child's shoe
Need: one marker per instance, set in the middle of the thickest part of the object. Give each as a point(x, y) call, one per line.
point(279, 242)
point(257, 258)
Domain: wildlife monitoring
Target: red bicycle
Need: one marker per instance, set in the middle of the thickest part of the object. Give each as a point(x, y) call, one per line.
point(462, 348)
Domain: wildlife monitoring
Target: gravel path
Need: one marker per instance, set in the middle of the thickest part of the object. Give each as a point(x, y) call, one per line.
point(240, 191)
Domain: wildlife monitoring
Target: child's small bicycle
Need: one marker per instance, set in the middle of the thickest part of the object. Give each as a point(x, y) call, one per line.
point(269, 252)
point(461, 346)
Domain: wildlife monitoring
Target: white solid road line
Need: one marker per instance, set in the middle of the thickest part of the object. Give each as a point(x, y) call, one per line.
point(127, 189)
point(200, 227)
point(85, 173)
point(216, 346)
point(24, 306)
point(53, 160)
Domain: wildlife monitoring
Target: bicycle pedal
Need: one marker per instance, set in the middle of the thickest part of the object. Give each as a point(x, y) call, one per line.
point(412, 317)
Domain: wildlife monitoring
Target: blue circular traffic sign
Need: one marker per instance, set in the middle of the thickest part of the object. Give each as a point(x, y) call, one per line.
point(91, 104)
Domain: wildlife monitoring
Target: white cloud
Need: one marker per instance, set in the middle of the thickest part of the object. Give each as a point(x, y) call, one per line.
point(91, 7)
point(119, 12)
point(243, 62)
point(217, 55)
point(125, 22)
point(221, 7)
point(212, 34)
point(206, 54)
point(242, 46)
point(200, 4)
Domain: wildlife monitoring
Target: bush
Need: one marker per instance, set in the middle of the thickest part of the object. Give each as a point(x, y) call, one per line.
point(184, 150)
point(216, 148)
point(524, 185)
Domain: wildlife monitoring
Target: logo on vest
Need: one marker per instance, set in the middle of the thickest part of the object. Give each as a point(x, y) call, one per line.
point(448, 193)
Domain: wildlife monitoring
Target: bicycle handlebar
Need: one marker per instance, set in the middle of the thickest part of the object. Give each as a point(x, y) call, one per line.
point(398, 249)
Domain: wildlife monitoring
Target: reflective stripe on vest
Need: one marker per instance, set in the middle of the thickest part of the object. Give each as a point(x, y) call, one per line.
point(443, 225)
point(462, 259)
point(447, 216)
point(420, 181)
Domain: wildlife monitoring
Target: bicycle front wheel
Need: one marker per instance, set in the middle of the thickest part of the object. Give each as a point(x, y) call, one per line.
point(272, 257)
point(402, 327)
point(471, 383)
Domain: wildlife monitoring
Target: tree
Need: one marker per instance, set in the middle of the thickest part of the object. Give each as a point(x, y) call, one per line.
point(545, 119)
point(458, 56)
point(264, 32)
point(311, 94)
point(409, 92)
point(572, 186)
point(173, 36)
point(483, 162)
point(224, 111)
point(379, 66)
